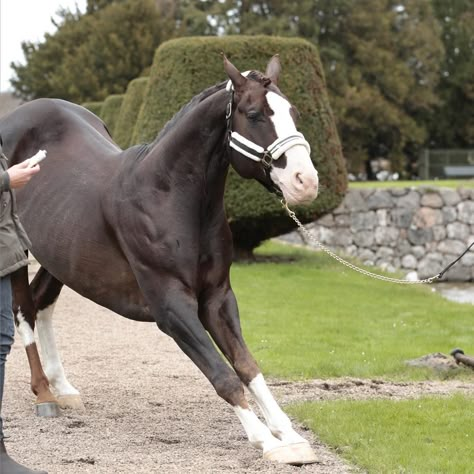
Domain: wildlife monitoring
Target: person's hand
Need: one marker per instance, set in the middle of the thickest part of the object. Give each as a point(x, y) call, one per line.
point(20, 174)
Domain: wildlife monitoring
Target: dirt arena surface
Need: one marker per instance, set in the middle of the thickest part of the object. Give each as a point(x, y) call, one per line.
point(149, 409)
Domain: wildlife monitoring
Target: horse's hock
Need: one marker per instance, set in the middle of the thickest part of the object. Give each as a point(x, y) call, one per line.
point(418, 230)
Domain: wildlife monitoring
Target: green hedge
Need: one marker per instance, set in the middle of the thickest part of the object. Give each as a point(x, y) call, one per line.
point(94, 107)
point(129, 110)
point(184, 67)
point(111, 110)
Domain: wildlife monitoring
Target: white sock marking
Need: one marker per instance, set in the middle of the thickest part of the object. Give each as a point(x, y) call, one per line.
point(53, 366)
point(277, 420)
point(257, 433)
point(24, 329)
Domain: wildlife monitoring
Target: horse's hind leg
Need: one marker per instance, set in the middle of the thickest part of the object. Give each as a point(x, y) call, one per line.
point(222, 321)
point(46, 289)
point(25, 314)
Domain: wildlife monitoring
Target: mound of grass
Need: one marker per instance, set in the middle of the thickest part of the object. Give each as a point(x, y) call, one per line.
point(306, 316)
point(428, 435)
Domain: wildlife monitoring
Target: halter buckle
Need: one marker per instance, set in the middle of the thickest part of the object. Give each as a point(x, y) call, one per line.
point(228, 110)
point(267, 159)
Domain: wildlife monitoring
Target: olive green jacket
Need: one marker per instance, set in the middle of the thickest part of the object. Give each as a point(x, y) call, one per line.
point(13, 238)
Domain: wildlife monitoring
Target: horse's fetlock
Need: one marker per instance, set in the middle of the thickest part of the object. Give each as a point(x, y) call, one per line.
point(38, 387)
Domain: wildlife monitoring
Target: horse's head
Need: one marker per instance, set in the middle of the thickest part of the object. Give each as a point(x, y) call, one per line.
point(265, 143)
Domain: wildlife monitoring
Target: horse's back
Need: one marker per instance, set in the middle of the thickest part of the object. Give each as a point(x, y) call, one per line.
point(61, 207)
point(52, 124)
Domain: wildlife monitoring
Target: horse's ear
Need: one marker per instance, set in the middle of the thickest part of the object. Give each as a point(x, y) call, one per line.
point(273, 69)
point(237, 79)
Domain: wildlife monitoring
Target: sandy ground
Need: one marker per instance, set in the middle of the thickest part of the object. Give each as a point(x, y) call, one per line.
point(149, 409)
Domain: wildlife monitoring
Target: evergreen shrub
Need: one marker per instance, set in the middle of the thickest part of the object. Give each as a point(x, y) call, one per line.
point(94, 107)
point(129, 110)
point(110, 111)
point(184, 67)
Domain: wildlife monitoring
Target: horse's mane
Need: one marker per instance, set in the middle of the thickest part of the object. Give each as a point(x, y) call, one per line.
point(197, 99)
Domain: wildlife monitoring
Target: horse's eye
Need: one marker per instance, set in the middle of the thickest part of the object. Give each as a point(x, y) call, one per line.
point(253, 115)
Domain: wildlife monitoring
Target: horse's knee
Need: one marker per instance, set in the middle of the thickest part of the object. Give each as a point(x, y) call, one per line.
point(230, 388)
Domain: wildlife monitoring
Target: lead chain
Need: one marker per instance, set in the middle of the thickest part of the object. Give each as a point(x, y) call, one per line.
point(313, 239)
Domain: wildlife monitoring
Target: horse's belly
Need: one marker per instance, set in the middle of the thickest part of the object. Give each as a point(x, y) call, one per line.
point(80, 252)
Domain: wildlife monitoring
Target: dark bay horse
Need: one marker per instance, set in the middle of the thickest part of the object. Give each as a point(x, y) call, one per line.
point(143, 231)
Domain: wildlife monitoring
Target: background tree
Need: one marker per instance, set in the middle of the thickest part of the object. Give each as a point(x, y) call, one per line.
point(382, 62)
point(94, 55)
point(452, 124)
point(96, 5)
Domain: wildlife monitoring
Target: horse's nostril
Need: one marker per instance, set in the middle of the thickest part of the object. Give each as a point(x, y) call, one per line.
point(299, 179)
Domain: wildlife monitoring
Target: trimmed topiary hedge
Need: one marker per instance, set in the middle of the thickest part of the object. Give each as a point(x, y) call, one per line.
point(111, 110)
point(94, 107)
point(184, 67)
point(129, 110)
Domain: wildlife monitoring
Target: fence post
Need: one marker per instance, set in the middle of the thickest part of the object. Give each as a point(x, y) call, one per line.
point(425, 164)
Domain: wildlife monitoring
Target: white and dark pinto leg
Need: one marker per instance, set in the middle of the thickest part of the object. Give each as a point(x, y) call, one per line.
point(24, 310)
point(280, 426)
point(46, 291)
point(277, 438)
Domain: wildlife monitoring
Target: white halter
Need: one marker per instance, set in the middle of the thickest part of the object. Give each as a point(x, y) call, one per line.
point(255, 152)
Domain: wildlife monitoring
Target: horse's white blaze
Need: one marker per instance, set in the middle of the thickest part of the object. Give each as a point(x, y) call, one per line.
point(53, 367)
point(24, 329)
point(277, 420)
point(257, 433)
point(299, 179)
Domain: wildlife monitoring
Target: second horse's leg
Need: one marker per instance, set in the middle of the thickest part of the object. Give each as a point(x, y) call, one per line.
point(45, 290)
point(25, 315)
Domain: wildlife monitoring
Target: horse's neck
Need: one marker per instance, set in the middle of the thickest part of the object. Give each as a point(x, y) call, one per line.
point(193, 155)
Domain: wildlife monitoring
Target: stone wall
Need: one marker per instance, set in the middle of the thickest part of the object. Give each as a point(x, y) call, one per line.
point(413, 229)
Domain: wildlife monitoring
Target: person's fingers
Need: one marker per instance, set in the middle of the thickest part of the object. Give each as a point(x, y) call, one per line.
point(34, 169)
point(23, 164)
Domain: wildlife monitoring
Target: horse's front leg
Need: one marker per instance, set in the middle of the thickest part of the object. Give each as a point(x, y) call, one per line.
point(220, 316)
point(25, 316)
point(175, 309)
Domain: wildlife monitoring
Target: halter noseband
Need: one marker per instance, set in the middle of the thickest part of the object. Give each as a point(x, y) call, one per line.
point(255, 152)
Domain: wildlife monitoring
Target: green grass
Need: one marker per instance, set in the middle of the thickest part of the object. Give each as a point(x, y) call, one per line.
point(429, 435)
point(439, 183)
point(306, 316)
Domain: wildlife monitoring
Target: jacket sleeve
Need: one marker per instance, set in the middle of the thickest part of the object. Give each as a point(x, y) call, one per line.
point(4, 181)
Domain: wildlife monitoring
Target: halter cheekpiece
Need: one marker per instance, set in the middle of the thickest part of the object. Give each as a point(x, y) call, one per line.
point(255, 152)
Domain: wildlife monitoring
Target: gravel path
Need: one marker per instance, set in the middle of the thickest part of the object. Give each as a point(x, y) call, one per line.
point(149, 409)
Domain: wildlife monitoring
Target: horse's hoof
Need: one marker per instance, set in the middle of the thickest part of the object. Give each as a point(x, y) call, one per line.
point(71, 402)
point(47, 409)
point(295, 454)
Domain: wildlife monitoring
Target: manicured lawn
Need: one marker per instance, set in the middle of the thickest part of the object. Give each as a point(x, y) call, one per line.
point(440, 183)
point(306, 316)
point(429, 435)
